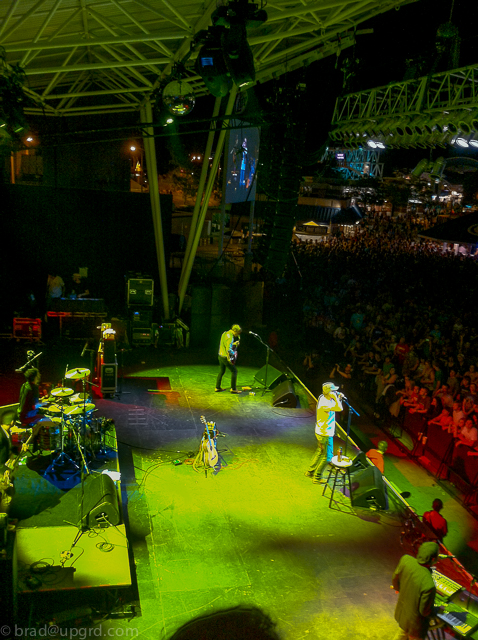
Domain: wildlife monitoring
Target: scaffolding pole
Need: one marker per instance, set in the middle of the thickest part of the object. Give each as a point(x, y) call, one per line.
point(150, 152)
point(187, 267)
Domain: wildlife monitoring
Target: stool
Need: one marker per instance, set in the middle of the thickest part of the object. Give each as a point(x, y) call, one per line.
point(337, 467)
point(436, 631)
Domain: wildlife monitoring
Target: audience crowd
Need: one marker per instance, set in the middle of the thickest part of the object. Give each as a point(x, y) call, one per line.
point(392, 315)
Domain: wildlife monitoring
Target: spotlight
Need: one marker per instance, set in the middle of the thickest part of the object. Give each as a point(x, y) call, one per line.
point(238, 55)
point(420, 168)
point(212, 69)
point(462, 142)
point(473, 142)
point(372, 144)
point(437, 170)
point(178, 98)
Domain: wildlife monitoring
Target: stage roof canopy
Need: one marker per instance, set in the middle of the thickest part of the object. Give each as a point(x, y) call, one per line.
point(462, 230)
point(105, 56)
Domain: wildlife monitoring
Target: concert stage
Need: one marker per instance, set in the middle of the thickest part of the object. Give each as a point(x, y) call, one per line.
point(254, 530)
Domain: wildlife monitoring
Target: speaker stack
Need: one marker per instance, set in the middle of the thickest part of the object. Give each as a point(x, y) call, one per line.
point(140, 299)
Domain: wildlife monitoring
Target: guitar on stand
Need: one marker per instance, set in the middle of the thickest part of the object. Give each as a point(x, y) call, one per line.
point(208, 456)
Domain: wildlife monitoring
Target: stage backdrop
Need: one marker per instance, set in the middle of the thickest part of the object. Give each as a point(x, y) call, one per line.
point(46, 228)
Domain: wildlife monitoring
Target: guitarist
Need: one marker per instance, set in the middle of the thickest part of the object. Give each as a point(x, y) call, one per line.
point(228, 355)
point(9, 458)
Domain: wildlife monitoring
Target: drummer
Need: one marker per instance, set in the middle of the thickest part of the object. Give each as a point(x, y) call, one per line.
point(29, 401)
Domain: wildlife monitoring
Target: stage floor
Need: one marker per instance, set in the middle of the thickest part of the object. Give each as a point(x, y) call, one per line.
point(255, 532)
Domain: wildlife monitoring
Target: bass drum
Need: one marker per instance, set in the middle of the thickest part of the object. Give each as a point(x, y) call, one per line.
point(49, 434)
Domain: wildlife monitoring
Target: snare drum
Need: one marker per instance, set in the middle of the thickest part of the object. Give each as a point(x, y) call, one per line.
point(49, 433)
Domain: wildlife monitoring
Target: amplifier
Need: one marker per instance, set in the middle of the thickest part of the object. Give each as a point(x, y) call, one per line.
point(27, 329)
point(141, 318)
point(140, 292)
point(141, 336)
point(109, 377)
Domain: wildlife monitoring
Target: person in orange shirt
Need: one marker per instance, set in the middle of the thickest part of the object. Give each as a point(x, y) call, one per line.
point(376, 455)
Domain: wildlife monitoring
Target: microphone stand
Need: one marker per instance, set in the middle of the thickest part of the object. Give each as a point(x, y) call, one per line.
point(267, 359)
point(349, 420)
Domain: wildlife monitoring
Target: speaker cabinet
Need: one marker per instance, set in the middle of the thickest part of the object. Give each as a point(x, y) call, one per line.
point(140, 292)
point(368, 489)
point(360, 462)
point(100, 503)
point(274, 376)
point(284, 395)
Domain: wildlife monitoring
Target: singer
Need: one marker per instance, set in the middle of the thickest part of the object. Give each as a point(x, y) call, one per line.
point(227, 356)
point(329, 402)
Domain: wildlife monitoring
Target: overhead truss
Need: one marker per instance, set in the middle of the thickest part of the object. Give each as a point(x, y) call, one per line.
point(97, 56)
point(431, 109)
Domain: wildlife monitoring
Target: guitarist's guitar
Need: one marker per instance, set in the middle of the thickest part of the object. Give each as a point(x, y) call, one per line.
point(210, 451)
point(233, 358)
point(6, 478)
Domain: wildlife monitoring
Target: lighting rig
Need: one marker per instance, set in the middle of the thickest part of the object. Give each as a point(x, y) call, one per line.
point(225, 57)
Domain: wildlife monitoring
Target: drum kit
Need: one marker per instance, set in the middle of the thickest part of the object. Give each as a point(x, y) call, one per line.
point(69, 428)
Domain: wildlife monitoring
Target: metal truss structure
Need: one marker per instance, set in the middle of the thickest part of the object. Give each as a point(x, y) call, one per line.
point(426, 111)
point(105, 56)
point(357, 163)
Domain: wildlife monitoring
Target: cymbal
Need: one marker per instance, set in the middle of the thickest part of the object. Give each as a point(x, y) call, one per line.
point(77, 409)
point(77, 374)
point(62, 392)
point(53, 408)
point(18, 430)
point(79, 398)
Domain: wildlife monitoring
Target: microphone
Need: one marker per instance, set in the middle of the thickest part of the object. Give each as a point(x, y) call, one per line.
point(444, 556)
point(341, 395)
point(252, 333)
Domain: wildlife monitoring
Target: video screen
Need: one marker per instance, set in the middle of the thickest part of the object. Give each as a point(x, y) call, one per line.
point(242, 159)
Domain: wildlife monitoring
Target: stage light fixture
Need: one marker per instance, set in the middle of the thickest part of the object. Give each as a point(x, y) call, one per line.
point(422, 126)
point(238, 55)
point(212, 68)
point(437, 169)
point(372, 144)
point(178, 97)
point(462, 142)
point(421, 167)
point(473, 142)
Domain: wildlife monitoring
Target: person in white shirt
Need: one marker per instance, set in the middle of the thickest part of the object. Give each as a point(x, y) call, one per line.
point(328, 403)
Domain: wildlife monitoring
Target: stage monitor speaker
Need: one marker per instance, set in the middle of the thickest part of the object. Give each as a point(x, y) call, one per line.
point(360, 462)
point(284, 395)
point(368, 489)
point(100, 503)
point(274, 376)
point(8, 413)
